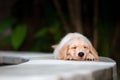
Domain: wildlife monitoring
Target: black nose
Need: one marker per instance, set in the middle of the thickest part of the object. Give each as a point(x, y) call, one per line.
point(80, 54)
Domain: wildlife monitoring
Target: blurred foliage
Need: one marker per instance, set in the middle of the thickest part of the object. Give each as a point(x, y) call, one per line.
point(49, 28)
point(6, 23)
point(18, 35)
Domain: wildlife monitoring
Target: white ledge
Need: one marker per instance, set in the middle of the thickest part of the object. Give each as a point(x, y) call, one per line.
point(43, 66)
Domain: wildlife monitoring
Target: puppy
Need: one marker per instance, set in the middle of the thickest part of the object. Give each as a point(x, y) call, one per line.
point(75, 46)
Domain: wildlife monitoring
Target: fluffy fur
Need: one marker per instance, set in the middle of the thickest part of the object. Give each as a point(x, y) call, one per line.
point(75, 46)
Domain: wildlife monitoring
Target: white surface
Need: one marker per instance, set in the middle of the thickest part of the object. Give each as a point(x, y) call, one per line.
point(45, 67)
point(27, 55)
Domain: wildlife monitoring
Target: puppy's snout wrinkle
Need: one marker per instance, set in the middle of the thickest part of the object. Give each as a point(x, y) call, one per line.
point(80, 54)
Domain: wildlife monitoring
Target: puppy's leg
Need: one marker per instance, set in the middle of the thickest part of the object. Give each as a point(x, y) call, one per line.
point(90, 57)
point(68, 57)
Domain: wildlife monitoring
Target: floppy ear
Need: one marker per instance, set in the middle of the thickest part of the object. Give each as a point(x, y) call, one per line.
point(94, 52)
point(54, 46)
point(64, 52)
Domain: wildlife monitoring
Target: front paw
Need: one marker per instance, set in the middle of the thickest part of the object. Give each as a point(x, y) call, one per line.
point(67, 57)
point(90, 57)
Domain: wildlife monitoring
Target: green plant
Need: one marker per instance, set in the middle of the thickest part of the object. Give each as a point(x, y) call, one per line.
point(36, 27)
point(17, 37)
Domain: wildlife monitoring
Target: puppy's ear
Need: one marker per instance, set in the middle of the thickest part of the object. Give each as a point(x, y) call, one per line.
point(64, 52)
point(94, 52)
point(54, 46)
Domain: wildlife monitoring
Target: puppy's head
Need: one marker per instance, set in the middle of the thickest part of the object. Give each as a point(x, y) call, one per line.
point(77, 50)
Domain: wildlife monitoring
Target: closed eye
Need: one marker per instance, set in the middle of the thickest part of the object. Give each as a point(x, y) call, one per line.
point(74, 47)
point(85, 47)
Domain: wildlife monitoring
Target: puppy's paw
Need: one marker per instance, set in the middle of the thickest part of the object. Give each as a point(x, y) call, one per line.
point(66, 57)
point(90, 57)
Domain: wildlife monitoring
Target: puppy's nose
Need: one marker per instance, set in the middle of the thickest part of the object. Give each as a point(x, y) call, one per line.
point(80, 54)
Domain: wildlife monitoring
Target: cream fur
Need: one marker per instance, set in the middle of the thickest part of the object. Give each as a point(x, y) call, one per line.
point(71, 39)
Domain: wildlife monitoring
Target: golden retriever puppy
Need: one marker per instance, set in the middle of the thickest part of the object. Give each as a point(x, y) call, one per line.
point(75, 46)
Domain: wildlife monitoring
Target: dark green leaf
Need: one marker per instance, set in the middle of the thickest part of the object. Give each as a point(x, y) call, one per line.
point(5, 40)
point(6, 23)
point(41, 32)
point(18, 35)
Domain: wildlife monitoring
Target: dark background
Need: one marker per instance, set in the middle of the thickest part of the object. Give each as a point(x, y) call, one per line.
point(35, 25)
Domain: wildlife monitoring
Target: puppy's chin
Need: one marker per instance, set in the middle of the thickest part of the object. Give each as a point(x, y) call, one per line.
point(79, 59)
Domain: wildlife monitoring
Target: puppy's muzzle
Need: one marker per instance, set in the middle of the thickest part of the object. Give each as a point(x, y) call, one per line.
point(80, 54)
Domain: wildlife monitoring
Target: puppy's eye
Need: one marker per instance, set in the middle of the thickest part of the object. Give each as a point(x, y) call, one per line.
point(85, 47)
point(73, 47)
